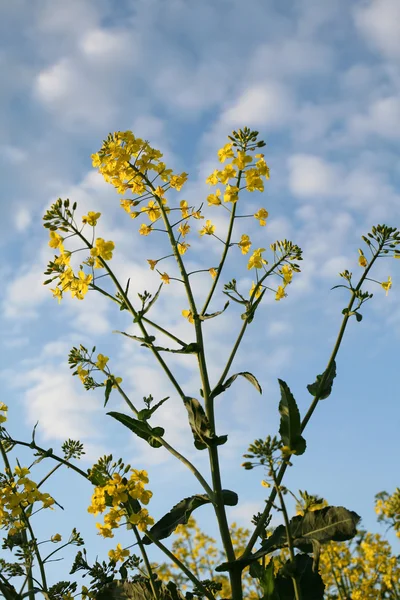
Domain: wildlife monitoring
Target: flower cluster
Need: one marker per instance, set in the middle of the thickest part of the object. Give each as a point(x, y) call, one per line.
point(16, 494)
point(59, 218)
point(387, 507)
point(116, 493)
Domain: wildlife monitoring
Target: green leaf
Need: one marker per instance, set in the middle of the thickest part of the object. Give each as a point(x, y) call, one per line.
point(107, 391)
point(331, 523)
point(203, 436)
point(212, 315)
point(326, 389)
point(146, 413)
point(266, 579)
point(310, 582)
point(290, 427)
point(219, 389)
point(180, 514)
point(153, 300)
point(141, 428)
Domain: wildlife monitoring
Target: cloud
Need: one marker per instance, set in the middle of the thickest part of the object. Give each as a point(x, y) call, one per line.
point(268, 105)
point(311, 176)
point(382, 118)
point(25, 293)
point(23, 218)
point(378, 21)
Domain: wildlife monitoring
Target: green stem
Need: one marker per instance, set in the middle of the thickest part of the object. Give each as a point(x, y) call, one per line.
point(172, 451)
point(147, 563)
point(297, 591)
point(181, 565)
point(310, 411)
point(33, 446)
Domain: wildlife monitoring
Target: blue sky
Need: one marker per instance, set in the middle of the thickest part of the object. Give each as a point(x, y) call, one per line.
point(320, 81)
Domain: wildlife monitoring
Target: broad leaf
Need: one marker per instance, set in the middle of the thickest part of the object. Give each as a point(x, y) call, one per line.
point(203, 436)
point(290, 427)
point(141, 428)
point(180, 514)
point(146, 413)
point(325, 391)
point(249, 376)
point(331, 523)
point(266, 579)
point(311, 585)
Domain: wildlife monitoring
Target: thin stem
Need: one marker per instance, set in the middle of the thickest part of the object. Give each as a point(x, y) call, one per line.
point(297, 591)
point(181, 565)
point(147, 563)
point(33, 446)
point(310, 411)
point(49, 475)
point(172, 450)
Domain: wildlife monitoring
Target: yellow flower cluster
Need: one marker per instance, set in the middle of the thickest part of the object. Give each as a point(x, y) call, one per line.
point(17, 494)
point(115, 494)
point(388, 509)
point(363, 574)
point(3, 409)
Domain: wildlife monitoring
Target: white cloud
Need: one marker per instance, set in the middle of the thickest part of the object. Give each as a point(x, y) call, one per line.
point(382, 118)
point(13, 154)
point(23, 218)
point(378, 21)
point(311, 176)
point(24, 294)
point(269, 105)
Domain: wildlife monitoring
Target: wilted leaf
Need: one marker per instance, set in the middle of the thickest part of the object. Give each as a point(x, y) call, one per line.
point(290, 427)
point(325, 391)
point(180, 514)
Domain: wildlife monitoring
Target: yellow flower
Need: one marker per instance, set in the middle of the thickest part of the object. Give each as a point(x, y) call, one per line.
point(231, 194)
point(226, 174)
point(265, 484)
point(118, 554)
point(254, 181)
point(117, 380)
point(3, 408)
point(208, 228)
point(188, 315)
point(213, 178)
point(134, 214)
point(256, 260)
point(80, 285)
point(82, 373)
point(261, 215)
point(242, 160)
point(57, 293)
point(165, 278)
point(258, 292)
point(91, 218)
point(105, 531)
point(196, 214)
point(182, 247)
point(280, 293)
point(144, 229)
point(101, 361)
point(184, 228)
point(177, 181)
point(387, 285)
point(56, 538)
point(63, 259)
point(225, 152)
point(287, 273)
point(184, 208)
point(244, 244)
point(213, 272)
point(102, 249)
point(214, 199)
point(262, 166)
point(362, 261)
point(152, 263)
point(55, 240)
